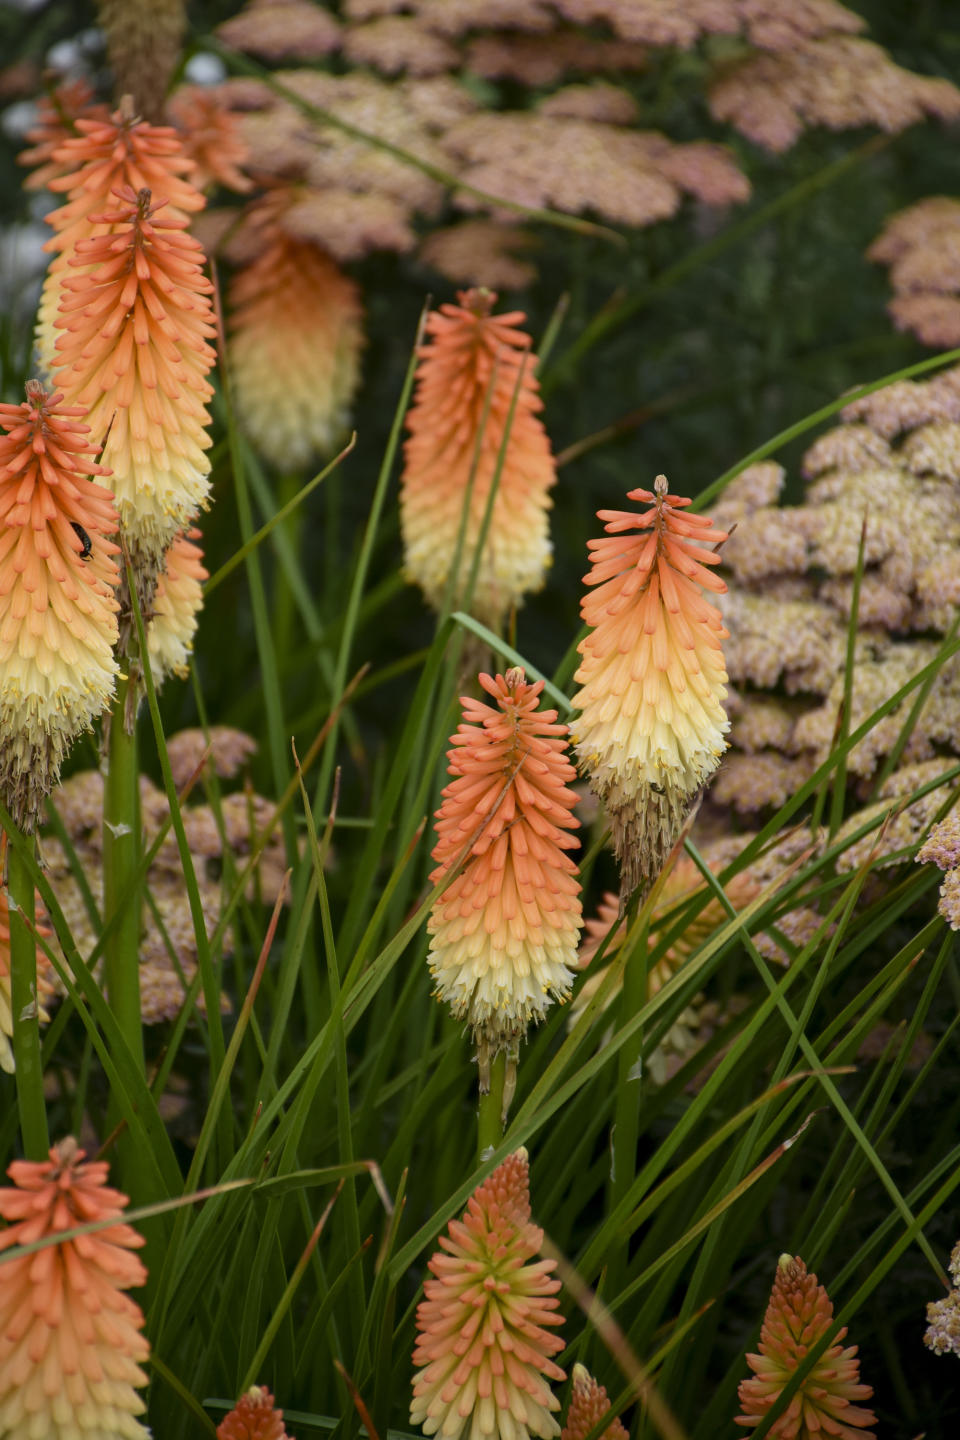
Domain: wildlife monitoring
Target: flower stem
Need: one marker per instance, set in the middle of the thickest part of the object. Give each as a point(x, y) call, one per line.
point(489, 1121)
point(629, 1084)
point(121, 894)
point(24, 1006)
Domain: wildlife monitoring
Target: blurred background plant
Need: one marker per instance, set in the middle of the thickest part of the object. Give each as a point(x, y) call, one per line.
point(680, 198)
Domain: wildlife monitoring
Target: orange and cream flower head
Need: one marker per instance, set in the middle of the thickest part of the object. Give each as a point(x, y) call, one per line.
point(799, 1313)
point(177, 603)
point(295, 337)
point(589, 1403)
point(134, 349)
point(254, 1417)
point(466, 382)
point(104, 154)
point(71, 1345)
point(483, 1352)
point(504, 933)
point(652, 725)
point(58, 620)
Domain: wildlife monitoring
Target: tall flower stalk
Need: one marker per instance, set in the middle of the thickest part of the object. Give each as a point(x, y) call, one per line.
point(503, 935)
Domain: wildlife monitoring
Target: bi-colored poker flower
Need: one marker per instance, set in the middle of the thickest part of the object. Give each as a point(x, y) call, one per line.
point(589, 1403)
point(798, 1315)
point(483, 1354)
point(651, 726)
point(294, 342)
point(136, 325)
point(176, 605)
point(58, 620)
point(104, 155)
point(504, 933)
point(465, 387)
point(71, 1345)
point(253, 1418)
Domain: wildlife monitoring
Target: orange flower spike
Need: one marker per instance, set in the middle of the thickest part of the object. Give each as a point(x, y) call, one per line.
point(483, 1352)
point(104, 155)
point(652, 725)
point(177, 603)
point(57, 606)
point(504, 933)
point(798, 1314)
point(470, 369)
point(253, 1418)
point(295, 338)
point(589, 1403)
point(70, 1339)
point(57, 114)
point(210, 135)
point(135, 349)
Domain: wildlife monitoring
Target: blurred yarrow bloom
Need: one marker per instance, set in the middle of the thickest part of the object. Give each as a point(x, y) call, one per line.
point(798, 1315)
point(652, 724)
point(104, 154)
point(58, 620)
point(589, 1403)
point(469, 374)
point(943, 1316)
point(137, 321)
point(483, 1352)
point(70, 1339)
point(254, 1417)
point(294, 344)
point(504, 933)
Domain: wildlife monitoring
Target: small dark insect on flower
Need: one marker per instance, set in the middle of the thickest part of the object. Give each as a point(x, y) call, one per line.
point(84, 539)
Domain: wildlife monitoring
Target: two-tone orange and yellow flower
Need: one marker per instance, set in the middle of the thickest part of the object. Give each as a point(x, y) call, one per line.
point(106, 154)
point(651, 725)
point(484, 1354)
point(58, 622)
point(589, 1403)
point(799, 1314)
point(136, 322)
point(71, 1345)
point(503, 935)
point(254, 1417)
point(294, 342)
point(477, 368)
point(176, 605)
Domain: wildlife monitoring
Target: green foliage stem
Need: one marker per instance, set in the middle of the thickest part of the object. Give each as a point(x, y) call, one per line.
point(23, 1005)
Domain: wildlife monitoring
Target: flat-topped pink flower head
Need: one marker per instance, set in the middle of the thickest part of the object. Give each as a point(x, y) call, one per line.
point(651, 726)
point(483, 1347)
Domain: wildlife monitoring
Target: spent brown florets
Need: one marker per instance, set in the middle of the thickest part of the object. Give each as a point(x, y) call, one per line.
point(482, 252)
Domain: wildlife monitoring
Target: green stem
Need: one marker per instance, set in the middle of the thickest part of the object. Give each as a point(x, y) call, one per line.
point(629, 1085)
point(121, 891)
point(23, 1005)
point(489, 1123)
